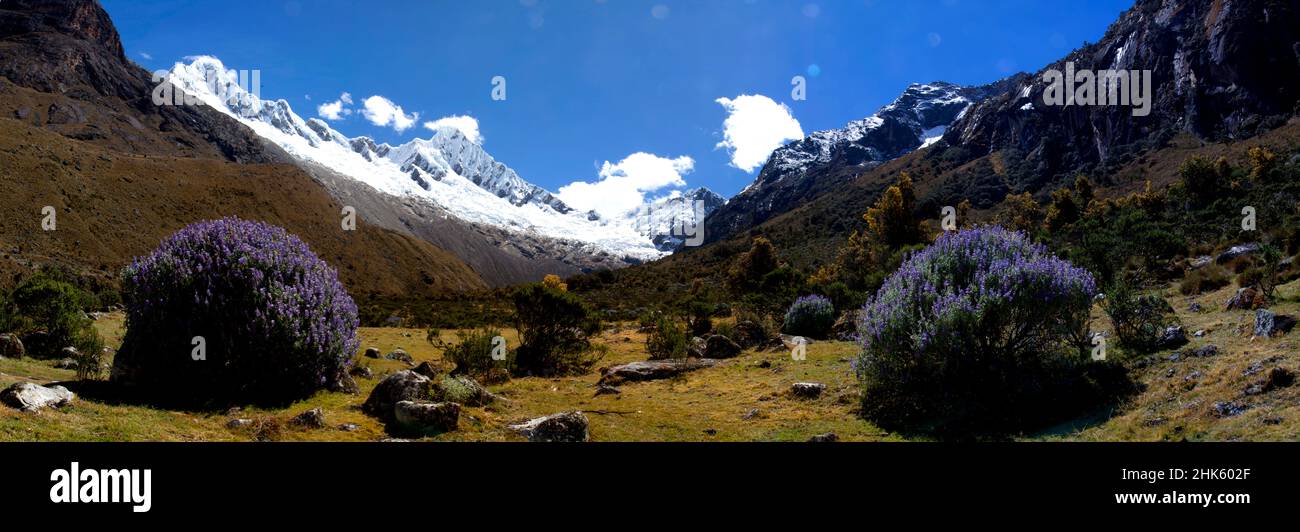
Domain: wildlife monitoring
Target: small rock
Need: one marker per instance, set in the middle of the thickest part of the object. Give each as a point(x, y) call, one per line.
point(807, 390)
point(66, 363)
point(362, 371)
point(1173, 337)
point(697, 347)
point(823, 438)
point(372, 352)
point(239, 423)
point(1237, 251)
point(1200, 262)
point(1207, 350)
point(1200, 333)
point(751, 414)
point(1246, 299)
point(312, 419)
point(1192, 376)
point(605, 389)
point(1195, 307)
point(402, 356)
point(719, 346)
point(344, 383)
point(1278, 378)
point(562, 427)
point(1229, 409)
point(764, 364)
point(650, 370)
point(425, 418)
point(11, 346)
point(426, 369)
point(30, 397)
point(711, 432)
point(349, 427)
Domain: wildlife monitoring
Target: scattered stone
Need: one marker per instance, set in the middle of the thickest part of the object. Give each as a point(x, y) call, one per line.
point(344, 383)
point(1155, 422)
point(1207, 350)
point(427, 369)
point(751, 414)
point(1169, 374)
point(1192, 376)
point(312, 419)
point(1254, 389)
point(1230, 409)
point(651, 370)
point(401, 355)
point(1237, 251)
point(362, 371)
point(711, 432)
point(1173, 337)
point(238, 423)
point(1269, 323)
point(233, 411)
point(1200, 262)
point(462, 389)
point(11, 346)
point(66, 363)
point(425, 418)
point(697, 347)
point(405, 385)
point(562, 427)
point(719, 346)
point(349, 427)
point(372, 352)
point(824, 438)
point(1278, 378)
point(764, 364)
point(30, 397)
point(1252, 369)
point(1195, 307)
point(605, 389)
point(1246, 299)
point(1200, 333)
point(807, 390)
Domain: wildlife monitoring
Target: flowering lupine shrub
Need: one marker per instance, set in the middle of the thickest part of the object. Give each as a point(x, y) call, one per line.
point(274, 321)
point(810, 316)
point(982, 333)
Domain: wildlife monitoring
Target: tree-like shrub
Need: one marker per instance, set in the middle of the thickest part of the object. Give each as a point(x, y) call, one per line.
point(555, 329)
point(472, 356)
point(1139, 319)
point(811, 316)
point(57, 308)
point(234, 311)
point(667, 341)
point(981, 333)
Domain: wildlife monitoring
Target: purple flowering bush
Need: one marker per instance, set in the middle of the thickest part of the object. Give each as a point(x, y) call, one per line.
point(811, 316)
point(983, 332)
point(276, 323)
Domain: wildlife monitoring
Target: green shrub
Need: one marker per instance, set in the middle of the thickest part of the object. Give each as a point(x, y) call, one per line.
point(810, 316)
point(55, 307)
point(667, 341)
point(90, 356)
point(1204, 279)
point(473, 357)
point(698, 317)
point(555, 329)
point(1139, 319)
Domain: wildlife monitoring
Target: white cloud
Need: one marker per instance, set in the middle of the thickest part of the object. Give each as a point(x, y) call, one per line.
point(755, 126)
point(336, 109)
point(146, 56)
point(622, 187)
point(467, 125)
point(381, 111)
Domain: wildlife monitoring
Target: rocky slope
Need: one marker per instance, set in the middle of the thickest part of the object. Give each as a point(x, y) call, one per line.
point(806, 168)
point(79, 132)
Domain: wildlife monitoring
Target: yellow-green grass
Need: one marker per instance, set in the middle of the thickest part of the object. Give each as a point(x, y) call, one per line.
point(705, 405)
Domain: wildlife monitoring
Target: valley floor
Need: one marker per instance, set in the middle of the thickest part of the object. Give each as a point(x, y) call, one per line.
point(1193, 398)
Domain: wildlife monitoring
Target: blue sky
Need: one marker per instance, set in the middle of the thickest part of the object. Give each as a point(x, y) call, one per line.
point(590, 81)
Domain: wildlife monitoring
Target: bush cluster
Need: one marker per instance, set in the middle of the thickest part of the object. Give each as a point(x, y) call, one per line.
point(472, 356)
point(1139, 319)
point(555, 329)
point(668, 340)
point(810, 316)
point(978, 334)
point(272, 317)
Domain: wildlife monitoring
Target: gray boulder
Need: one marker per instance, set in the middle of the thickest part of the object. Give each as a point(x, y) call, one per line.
point(372, 352)
point(651, 370)
point(405, 385)
point(1173, 337)
point(425, 418)
point(1245, 299)
point(697, 348)
point(11, 346)
point(1237, 251)
point(562, 427)
point(1269, 323)
point(30, 397)
point(402, 356)
point(312, 419)
point(807, 390)
point(719, 346)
